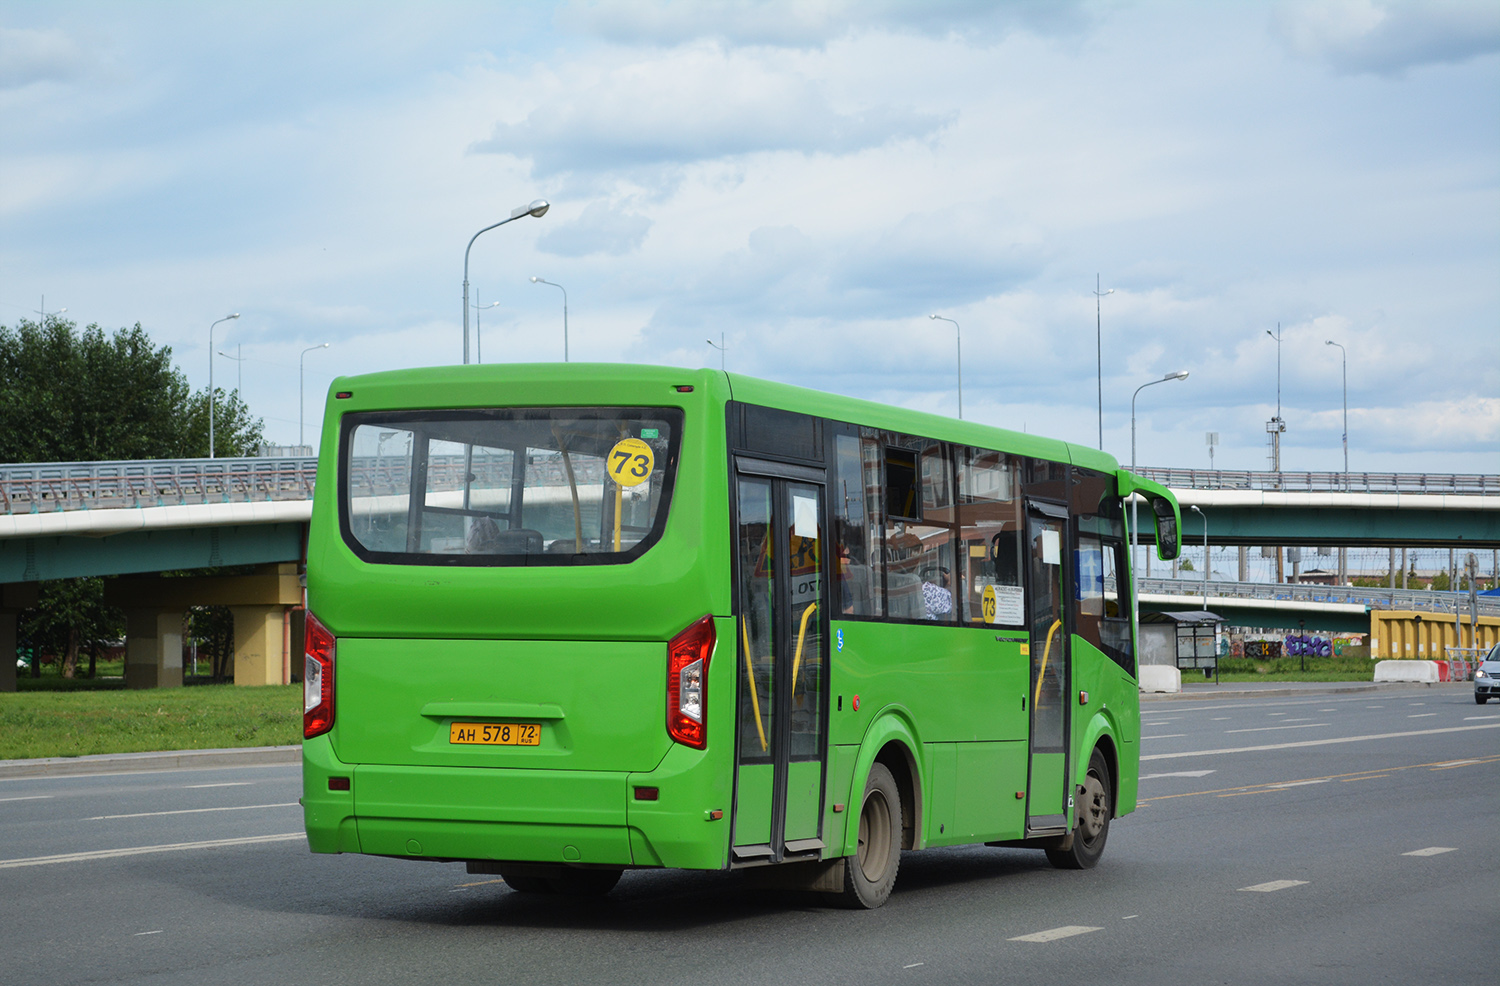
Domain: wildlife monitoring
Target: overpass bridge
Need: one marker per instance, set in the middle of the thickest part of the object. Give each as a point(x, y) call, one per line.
point(67, 519)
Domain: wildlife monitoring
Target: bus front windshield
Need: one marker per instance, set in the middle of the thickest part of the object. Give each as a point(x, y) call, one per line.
point(507, 486)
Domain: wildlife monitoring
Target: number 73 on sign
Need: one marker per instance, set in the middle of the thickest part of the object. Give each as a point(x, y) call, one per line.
point(629, 464)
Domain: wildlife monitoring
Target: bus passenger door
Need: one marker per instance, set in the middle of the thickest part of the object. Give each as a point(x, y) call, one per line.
point(782, 670)
point(1046, 540)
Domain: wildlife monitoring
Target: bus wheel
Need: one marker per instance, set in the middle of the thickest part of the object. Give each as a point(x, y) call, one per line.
point(870, 873)
point(1092, 815)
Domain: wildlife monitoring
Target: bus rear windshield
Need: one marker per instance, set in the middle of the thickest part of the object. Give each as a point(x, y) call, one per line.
point(524, 486)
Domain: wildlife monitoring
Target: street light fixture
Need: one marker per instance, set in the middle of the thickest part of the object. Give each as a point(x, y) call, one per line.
point(226, 318)
point(1206, 566)
point(960, 335)
point(540, 280)
point(720, 347)
point(538, 209)
point(1135, 501)
point(301, 377)
point(1099, 351)
point(44, 313)
point(1344, 359)
point(479, 330)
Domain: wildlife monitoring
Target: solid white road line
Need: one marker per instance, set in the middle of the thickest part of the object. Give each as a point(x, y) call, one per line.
point(79, 857)
point(1068, 931)
point(1267, 729)
point(1430, 851)
point(188, 811)
point(29, 797)
point(195, 787)
point(1274, 885)
point(1321, 742)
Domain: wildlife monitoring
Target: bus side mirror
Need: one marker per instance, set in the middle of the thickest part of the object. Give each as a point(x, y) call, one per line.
point(1167, 540)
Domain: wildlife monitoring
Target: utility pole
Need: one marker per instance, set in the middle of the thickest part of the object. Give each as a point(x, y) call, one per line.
point(1099, 350)
point(1274, 428)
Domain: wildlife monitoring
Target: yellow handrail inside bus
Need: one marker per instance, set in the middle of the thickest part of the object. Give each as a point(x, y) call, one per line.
point(1046, 651)
point(801, 637)
point(754, 692)
point(619, 494)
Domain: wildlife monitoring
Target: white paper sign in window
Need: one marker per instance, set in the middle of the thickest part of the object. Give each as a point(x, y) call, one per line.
point(805, 516)
point(1051, 548)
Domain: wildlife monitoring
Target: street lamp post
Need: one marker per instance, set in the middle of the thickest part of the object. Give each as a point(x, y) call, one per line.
point(541, 280)
point(1206, 566)
point(537, 208)
point(44, 313)
point(1344, 360)
point(1099, 351)
point(960, 336)
point(1135, 619)
point(479, 329)
point(301, 378)
point(720, 347)
point(226, 318)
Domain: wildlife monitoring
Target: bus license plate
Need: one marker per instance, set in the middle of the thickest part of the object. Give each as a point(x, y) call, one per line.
point(496, 733)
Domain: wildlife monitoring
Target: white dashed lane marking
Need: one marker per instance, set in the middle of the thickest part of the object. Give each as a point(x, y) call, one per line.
point(79, 857)
point(1053, 934)
point(1430, 851)
point(1266, 729)
point(1176, 773)
point(1274, 885)
point(29, 797)
point(1166, 736)
point(1421, 715)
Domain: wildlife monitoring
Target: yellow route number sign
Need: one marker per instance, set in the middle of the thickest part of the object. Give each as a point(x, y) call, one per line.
point(630, 462)
point(988, 604)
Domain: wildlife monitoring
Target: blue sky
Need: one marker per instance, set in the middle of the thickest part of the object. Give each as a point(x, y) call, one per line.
point(811, 180)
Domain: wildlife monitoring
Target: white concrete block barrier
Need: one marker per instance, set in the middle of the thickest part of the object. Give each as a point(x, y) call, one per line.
point(1420, 671)
point(1160, 678)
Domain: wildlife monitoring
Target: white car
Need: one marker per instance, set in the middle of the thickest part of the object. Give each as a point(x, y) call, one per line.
point(1487, 677)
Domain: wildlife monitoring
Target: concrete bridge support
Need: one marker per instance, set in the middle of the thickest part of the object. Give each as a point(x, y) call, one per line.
point(153, 648)
point(260, 603)
point(13, 599)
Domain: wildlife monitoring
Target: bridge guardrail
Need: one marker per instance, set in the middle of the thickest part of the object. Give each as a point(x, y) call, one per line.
point(1375, 598)
point(1325, 482)
point(40, 487)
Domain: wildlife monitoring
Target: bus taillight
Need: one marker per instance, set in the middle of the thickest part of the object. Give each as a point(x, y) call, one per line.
point(687, 683)
point(317, 680)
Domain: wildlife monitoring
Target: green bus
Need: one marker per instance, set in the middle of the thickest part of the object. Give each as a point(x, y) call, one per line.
point(570, 619)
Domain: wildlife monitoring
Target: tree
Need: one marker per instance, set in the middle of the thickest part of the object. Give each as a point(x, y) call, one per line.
point(70, 396)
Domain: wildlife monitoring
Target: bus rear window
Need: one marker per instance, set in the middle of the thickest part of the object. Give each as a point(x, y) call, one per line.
point(525, 486)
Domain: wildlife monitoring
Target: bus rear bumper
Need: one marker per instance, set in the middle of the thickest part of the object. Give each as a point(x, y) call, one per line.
point(519, 815)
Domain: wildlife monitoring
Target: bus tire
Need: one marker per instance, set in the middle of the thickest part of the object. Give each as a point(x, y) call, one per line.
point(870, 873)
point(1094, 808)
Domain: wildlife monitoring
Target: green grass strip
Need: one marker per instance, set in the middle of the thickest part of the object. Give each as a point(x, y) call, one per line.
point(204, 717)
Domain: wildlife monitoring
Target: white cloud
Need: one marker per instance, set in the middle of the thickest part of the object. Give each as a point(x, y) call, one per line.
point(1389, 36)
point(695, 103)
point(600, 228)
point(30, 56)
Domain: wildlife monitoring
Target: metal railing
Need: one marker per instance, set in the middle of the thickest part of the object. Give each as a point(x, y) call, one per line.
point(1375, 598)
point(42, 487)
point(1326, 482)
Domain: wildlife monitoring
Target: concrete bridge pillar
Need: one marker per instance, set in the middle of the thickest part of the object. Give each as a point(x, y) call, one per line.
point(13, 598)
point(259, 645)
point(153, 648)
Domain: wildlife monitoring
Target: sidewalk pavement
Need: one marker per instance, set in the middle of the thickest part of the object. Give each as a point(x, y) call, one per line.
point(116, 763)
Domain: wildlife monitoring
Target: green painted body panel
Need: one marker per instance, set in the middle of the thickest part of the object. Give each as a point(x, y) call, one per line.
point(601, 705)
point(804, 782)
point(679, 827)
point(1049, 780)
point(752, 808)
point(1113, 714)
point(327, 815)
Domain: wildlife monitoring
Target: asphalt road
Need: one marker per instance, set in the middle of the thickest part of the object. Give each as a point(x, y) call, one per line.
point(1315, 839)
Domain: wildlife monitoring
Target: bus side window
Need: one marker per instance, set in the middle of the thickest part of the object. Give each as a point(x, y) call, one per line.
point(990, 531)
point(855, 503)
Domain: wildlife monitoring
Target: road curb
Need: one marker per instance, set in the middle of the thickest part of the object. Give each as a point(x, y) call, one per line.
point(120, 763)
point(1332, 688)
